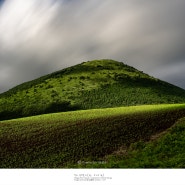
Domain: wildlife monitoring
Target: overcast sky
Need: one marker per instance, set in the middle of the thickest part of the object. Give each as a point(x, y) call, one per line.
point(38, 37)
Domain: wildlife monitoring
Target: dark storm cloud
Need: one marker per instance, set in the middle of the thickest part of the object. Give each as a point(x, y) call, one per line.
point(38, 38)
point(1, 2)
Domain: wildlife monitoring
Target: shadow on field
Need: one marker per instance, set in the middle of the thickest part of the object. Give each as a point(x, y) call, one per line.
point(65, 144)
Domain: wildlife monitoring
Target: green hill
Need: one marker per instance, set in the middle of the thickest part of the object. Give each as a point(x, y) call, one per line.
point(93, 84)
point(95, 138)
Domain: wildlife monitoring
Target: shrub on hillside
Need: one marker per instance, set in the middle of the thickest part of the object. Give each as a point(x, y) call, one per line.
point(60, 107)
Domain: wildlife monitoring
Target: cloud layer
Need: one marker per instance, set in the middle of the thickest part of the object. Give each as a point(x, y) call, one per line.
point(39, 37)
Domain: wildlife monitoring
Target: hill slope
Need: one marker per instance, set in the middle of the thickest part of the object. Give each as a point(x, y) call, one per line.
point(64, 139)
point(94, 84)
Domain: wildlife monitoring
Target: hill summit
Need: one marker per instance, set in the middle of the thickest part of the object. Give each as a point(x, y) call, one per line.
point(92, 84)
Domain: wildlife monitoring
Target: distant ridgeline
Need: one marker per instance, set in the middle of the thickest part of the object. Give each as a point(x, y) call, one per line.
point(92, 84)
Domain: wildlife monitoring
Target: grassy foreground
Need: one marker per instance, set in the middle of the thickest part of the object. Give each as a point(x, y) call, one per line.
point(60, 140)
point(167, 151)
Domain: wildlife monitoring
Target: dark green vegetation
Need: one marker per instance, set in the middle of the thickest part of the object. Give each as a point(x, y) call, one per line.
point(94, 84)
point(61, 140)
point(167, 151)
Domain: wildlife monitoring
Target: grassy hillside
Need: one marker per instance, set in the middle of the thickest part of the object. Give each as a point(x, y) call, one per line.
point(62, 139)
point(165, 150)
point(93, 84)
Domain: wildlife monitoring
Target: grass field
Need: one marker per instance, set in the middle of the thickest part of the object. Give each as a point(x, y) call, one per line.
point(60, 140)
point(166, 151)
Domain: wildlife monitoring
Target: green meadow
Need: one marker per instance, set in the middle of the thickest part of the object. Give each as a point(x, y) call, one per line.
point(164, 150)
point(61, 140)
